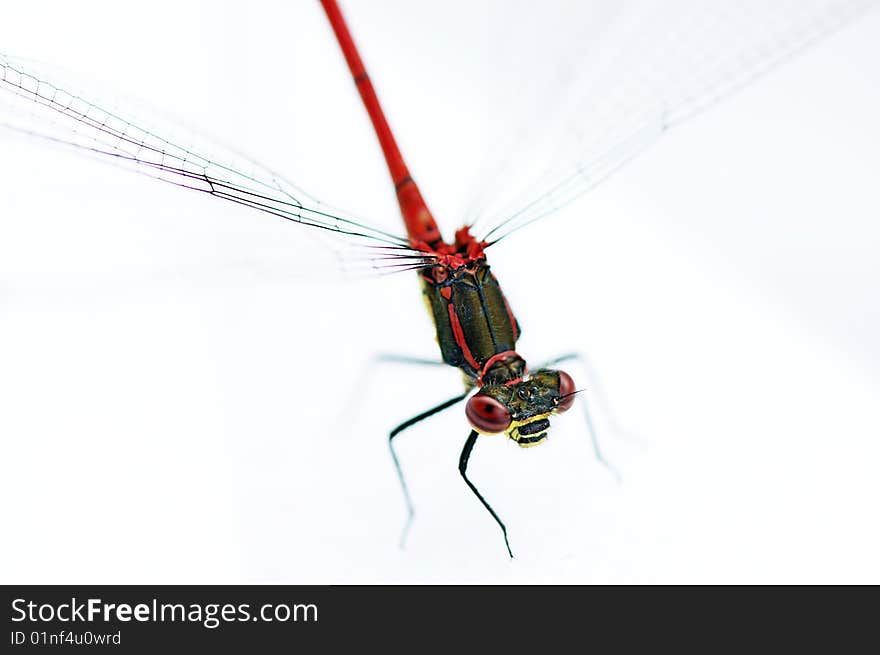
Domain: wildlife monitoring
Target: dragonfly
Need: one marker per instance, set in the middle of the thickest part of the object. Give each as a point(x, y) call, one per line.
point(665, 83)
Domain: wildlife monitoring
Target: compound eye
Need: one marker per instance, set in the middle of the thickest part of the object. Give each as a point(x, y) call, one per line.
point(485, 414)
point(566, 391)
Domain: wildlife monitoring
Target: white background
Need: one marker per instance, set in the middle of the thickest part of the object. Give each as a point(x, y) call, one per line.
point(179, 404)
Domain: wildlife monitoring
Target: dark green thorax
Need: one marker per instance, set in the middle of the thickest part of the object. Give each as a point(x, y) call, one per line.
point(475, 325)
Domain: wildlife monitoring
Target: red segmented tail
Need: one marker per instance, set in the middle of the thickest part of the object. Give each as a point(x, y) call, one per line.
point(420, 225)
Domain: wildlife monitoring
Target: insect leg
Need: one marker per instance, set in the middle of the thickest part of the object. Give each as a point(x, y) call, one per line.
point(392, 358)
point(582, 400)
point(352, 408)
point(462, 468)
point(410, 510)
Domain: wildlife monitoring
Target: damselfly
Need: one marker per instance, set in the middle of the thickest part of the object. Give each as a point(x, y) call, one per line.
point(670, 78)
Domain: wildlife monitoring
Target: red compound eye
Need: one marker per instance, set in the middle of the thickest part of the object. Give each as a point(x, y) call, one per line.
point(566, 391)
point(485, 414)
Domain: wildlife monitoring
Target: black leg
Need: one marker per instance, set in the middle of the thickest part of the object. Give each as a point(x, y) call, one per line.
point(582, 400)
point(352, 409)
point(391, 358)
point(410, 510)
point(462, 468)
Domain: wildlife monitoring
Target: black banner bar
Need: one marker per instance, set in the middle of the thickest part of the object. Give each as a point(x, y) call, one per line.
point(259, 619)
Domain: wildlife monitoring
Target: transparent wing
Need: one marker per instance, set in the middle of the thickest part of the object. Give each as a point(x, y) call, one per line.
point(638, 69)
point(31, 104)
